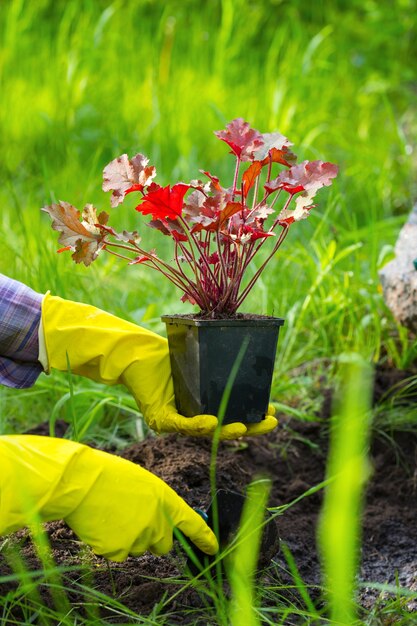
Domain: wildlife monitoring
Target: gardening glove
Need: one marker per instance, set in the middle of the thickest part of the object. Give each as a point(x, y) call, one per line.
point(110, 350)
point(113, 505)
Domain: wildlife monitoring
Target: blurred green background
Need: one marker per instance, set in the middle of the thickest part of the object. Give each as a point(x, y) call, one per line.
point(83, 81)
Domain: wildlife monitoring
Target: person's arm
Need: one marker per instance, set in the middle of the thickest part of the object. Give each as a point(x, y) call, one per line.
point(20, 314)
point(113, 505)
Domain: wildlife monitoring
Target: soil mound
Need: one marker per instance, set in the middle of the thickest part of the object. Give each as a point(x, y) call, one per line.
point(294, 458)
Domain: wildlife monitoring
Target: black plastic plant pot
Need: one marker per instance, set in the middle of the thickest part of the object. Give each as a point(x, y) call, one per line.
point(203, 353)
point(228, 514)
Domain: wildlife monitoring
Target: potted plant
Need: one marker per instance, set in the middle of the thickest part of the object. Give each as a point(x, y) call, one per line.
point(216, 232)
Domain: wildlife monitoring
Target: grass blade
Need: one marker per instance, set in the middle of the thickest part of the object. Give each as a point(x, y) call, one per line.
point(340, 525)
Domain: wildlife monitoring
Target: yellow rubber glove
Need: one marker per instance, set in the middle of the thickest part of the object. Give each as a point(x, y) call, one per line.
point(113, 505)
point(110, 350)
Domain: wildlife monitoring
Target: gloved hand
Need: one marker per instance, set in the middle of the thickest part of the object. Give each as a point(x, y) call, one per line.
point(113, 505)
point(110, 350)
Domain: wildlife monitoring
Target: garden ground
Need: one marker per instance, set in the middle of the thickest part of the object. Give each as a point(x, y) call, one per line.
point(294, 457)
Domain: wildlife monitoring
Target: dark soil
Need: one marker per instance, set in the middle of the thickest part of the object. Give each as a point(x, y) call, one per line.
point(220, 317)
point(294, 458)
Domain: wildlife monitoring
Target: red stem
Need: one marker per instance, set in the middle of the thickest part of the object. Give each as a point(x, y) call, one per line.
point(137, 250)
point(235, 177)
point(286, 205)
point(253, 280)
point(271, 229)
point(222, 264)
point(232, 280)
point(255, 193)
point(193, 238)
point(125, 258)
point(242, 268)
point(268, 176)
point(195, 286)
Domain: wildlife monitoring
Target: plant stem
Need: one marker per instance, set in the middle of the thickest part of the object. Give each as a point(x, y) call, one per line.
point(174, 277)
point(270, 230)
point(137, 250)
point(192, 238)
point(222, 264)
point(255, 193)
point(235, 177)
point(232, 282)
point(125, 258)
point(268, 176)
point(197, 284)
point(134, 248)
point(276, 198)
point(241, 270)
point(261, 269)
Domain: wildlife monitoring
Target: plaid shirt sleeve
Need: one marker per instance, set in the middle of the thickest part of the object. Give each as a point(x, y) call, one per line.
point(20, 314)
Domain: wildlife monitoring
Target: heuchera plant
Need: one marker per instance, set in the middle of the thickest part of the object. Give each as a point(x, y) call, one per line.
point(216, 230)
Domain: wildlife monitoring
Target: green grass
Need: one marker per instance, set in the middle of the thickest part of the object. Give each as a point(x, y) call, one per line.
point(159, 77)
point(83, 81)
point(348, 471)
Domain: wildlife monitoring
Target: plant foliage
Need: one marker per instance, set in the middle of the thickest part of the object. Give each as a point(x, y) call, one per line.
point(216, 231)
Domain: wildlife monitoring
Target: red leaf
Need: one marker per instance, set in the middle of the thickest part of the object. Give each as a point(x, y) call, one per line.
point(307, 176)
point(194, 204)
point(122, 176)
point(230, 209)
point(179, 236)
point(252, 233)
point(213, 213)
point(85, 251)
point(207, 217)
point(293, 190)
point(140, 259)
point(243, 140)
point(164, 202)
point(170, 227)
point(259, 214)
point(159, 225)
point(144, 257)
point(303, 204)
point(260, 234)
point(286, 221)
point(205, 222)
point(270, 142)
point(214, 180)
point(249, 177)
point(213, 258)
point(129, 237)
point(153, 187)
point(284, 156)
point(84, 237)
point(136, 187)
point(187, 298)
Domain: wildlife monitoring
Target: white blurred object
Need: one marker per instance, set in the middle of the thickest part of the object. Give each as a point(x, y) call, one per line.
point(399, 276)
